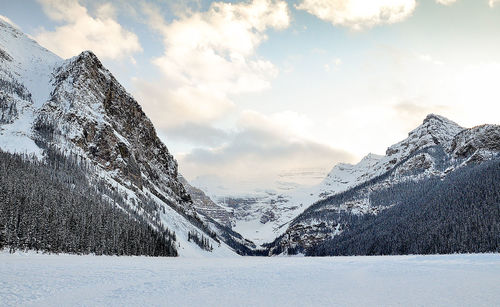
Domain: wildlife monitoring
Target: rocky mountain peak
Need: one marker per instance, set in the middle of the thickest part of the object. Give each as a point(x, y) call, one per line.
point(89, 107)
point(435, 130)
point(440, 127)
point(76, 107)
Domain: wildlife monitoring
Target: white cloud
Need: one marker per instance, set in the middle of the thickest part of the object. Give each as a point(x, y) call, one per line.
point(492, 3)
point(80, 31)
point(446, 2)
point(169, 105)
point(211, 55)
point(429, 59)
point(261, 148)
point(359, 14)
point(333, 64)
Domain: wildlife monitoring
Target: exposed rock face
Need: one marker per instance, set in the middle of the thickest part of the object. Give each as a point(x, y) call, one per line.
point(205, 206)
point(79, 108)
point(477, 141)
point(94, 111)
point(435, 130)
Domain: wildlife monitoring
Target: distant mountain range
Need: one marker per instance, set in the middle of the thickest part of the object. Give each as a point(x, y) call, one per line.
point(408, 191)
point(83, 170)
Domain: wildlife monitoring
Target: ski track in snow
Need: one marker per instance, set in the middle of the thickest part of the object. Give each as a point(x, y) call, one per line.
point(67, 280)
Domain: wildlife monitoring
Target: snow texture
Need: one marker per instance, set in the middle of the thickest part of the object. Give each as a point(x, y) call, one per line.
point(30, 65)
point(64, 280)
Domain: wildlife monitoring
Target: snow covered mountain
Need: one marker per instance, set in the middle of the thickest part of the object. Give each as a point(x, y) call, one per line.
point(259, 215)
point(435, 149)
point(264, 215)
point(76, 106)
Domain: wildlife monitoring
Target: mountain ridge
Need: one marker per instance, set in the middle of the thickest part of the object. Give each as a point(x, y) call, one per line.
point(75, 108)
point(266, 215)
point(428, 152)
point(78, 107)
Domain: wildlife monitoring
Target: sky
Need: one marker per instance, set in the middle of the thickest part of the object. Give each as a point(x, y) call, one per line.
point(251, 93)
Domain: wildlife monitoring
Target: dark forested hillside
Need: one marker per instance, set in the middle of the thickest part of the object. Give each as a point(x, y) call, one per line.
point(458, 214)
point(52, 207)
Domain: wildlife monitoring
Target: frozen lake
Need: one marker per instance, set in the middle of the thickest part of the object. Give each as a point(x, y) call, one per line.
point(50, 280)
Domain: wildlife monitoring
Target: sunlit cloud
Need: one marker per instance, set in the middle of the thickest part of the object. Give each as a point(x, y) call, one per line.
point(80, 31)
point(492, 3)
point(359, 14)
point(446, 2)
point(429, 59)
point(261, 147)
point(211, 55)
point(333, 65)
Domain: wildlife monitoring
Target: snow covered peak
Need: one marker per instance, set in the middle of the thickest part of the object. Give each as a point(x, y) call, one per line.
point(441, 129)
point(370, 158)
point(24, 61)
point(433, 116)
point(341, 171)
point(26, 71)
point(87, 60)
point(344, 176)
point(77, 107)
point(19, 45)
point(437, 122)
point(21, 50)
point(435, 130)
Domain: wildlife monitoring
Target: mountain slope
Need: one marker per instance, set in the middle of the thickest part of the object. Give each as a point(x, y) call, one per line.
point(264, 215)
point(25, 74)
point(436, 149)
point(52, 207)
point(458, 214)
point(76, 106)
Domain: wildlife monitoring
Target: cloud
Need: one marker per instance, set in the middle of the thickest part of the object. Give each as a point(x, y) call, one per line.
point(446, 2)
point(211, 55)
point(333, 64)
point(170, 106)
point(410, 113)
point(492, 3)
point(429, 59)
point(199, 134)
point(262, 148)
point(359, 14)
point(80, 31)
point(418, 84)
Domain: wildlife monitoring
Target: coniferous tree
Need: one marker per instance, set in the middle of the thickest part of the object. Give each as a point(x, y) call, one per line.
point(51, 206)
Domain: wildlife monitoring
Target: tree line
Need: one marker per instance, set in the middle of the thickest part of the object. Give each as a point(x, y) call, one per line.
point(457, 214)
point(51, 206)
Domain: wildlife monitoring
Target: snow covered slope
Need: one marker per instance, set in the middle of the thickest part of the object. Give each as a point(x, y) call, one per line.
point(25, 75)
point(77, 106)
point(435, 149)
point(435, 130)
point(263, 215)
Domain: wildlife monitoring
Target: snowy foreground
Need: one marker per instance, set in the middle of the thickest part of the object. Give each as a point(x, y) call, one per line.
point(51, 280)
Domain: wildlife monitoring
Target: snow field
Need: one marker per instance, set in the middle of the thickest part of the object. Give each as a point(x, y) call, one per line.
point(67, 280)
